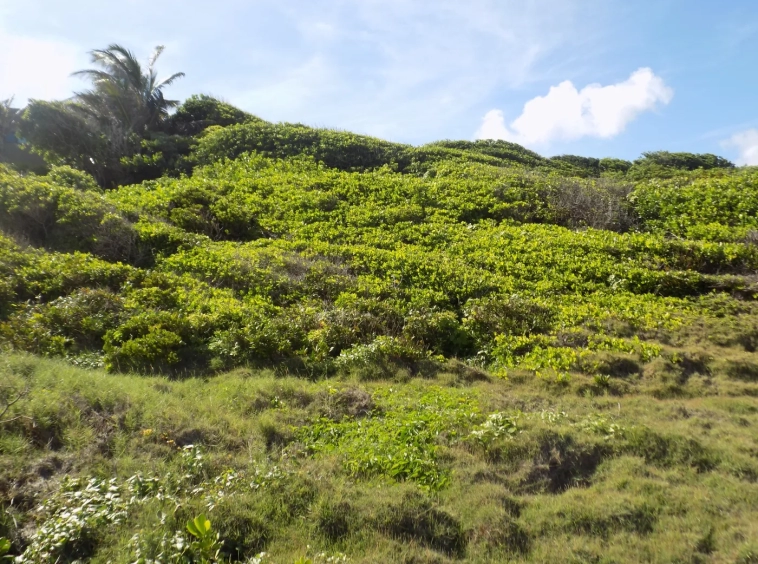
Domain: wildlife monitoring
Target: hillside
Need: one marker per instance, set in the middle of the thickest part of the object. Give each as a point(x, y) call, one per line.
point(340, 349)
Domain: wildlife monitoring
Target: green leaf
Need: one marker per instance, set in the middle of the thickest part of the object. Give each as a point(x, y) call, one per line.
point(199, 526)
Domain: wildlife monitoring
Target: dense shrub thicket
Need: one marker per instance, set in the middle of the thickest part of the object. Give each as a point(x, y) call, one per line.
point(321, 250)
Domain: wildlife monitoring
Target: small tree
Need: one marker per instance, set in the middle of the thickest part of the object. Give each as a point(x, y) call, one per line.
point(199, 112)
point(62, 134)
point(684, 161)
point(9, 119)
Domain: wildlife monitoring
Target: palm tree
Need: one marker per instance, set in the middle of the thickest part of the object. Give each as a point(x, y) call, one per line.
point(124, 95)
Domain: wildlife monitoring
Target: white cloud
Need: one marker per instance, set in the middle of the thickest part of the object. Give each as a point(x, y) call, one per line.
point(37, 68)
point(566, 113)
point(747, 144)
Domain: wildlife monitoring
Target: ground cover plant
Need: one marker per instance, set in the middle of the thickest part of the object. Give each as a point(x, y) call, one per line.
point(253, 342)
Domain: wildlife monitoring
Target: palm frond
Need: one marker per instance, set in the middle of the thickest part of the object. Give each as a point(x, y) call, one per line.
point(169, 81)
point(123, 91)
point(120, 62)
point(154, 57)
point(95, 75)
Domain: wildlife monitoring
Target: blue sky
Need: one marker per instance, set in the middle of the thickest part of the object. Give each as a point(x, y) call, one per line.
point(589, 77)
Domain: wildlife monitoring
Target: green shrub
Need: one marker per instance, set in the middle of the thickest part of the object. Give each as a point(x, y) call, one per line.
point(505, 151)
point(63, 212)
point(699, 206)
point(507, 315)
point(153, 342)
point(381, 358)
point(48, 276)
point(437, 331)
point(200, 111)
point(614, 166)
point(72, 178)
point(379, 260)
point(684, 161)
point(159, 154)
point(66, 325)
point(591, 166)
point(336, 149)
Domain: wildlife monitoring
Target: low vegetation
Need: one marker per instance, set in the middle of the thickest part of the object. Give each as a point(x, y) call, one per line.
point(229, 340)
point(658, 465)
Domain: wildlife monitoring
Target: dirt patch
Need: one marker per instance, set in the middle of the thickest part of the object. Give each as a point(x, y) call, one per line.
point(282, 398)
point(47, 435)
point(416, 518)
point(48, 467)
point(743, 370)
point(190, 437)
point(337, 405)
point(24, 490)
point(621, 367)
point(466, 373)
point(504, 534)
point(690, 365)
point(561, 463)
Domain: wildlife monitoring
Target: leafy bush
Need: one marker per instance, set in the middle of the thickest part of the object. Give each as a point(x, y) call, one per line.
point(66, 325)
point(614, 166)
point(381, 259)
point(591, 166)
point(707, 208)
point(341, 150)
point(503, 150)
point(150, 343)
point(72, 178)
point(437, 331)
point(159, 154)
point(602, 204)
point(495, 426)
point(75, 514)
point(507, 315)
point(200, 111)
point(684, 161)
point(63, 212)
point(62, 134)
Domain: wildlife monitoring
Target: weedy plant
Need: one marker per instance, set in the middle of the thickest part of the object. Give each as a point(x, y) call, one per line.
point(5, 548)
point(495, 426)
point(206, 545)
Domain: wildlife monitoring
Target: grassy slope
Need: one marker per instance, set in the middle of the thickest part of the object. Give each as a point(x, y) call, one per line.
point(665, 472)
